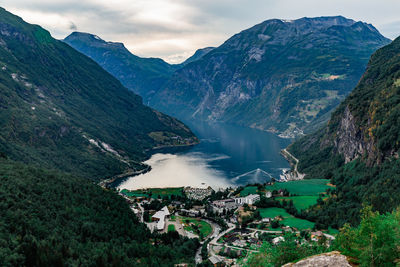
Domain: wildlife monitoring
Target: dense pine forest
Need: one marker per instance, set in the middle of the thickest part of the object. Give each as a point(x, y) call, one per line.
point(65, 122)
point(48, 218)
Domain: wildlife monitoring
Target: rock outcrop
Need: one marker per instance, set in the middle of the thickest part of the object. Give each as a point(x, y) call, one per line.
point(330, 259)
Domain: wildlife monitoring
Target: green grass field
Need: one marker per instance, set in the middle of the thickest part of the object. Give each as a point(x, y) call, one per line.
point(301, 202)
point(312, 187)
point(171, 227)
point(272, 212)
point(332, 231)
point(288, 219)
point(248, 190)
point(204, 227)
point(155, 192)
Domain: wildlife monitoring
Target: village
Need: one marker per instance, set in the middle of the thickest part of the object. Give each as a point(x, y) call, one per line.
point(229, 223)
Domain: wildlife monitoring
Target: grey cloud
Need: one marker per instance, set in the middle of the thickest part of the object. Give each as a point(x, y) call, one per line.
point(200, 22)
point(392, 29)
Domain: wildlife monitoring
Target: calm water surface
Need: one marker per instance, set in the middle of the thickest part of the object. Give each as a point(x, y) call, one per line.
point(227, 156)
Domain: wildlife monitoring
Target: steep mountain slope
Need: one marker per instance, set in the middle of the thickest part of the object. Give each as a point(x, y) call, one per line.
point(197, 55)
point(144, 76)
point(358, 149)
point(48, 218)
point(61, 110)
point(281, 76)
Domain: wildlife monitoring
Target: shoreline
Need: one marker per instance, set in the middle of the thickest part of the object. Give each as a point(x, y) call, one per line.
point(114, 181)
point(109, 183)
point(171, 148)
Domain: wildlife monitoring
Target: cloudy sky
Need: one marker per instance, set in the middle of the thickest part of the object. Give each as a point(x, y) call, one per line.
point(174, 29)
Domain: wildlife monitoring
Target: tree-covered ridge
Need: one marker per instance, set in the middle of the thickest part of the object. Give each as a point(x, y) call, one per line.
point(375, 104)
point(48, 218)
point(61, 110)
point(358, 149)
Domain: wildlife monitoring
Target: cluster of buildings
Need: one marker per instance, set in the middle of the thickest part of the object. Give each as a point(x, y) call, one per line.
point(197, 193)
point(250, 199)
point(232, 203)
point(196, 211)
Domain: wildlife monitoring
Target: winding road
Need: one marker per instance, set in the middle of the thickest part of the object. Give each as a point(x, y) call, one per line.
point(296, 174)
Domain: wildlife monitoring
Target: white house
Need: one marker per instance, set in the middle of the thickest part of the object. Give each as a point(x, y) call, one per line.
point(277, 240)
point(159, 216)
point(250, 199)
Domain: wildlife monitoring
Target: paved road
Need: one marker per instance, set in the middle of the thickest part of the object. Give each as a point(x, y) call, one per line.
point(198, 259)
point(215, 231)
point(297, 174)
point(331, 237)
point(251, 250)
point(141, 211)
point(215, 228)
point(213, 242)
point(178, 226)
point(265, 231)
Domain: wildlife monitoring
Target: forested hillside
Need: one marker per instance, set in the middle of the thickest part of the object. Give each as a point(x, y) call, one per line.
point(48, 218)
point(59, 109)
point(358, 149)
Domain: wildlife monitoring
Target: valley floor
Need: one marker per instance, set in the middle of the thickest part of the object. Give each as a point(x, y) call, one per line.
point(229, 230)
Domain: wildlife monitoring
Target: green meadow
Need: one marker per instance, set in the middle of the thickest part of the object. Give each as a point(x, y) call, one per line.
point(305, 187)
point(301, 202)
point(288, 220)
point(154, 192)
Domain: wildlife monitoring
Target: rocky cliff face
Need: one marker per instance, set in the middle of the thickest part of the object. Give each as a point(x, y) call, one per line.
point(349, 139)
point(366, 124)
point(282, 76)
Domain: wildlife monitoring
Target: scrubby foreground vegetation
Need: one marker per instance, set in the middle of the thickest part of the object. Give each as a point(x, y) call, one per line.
point(49, 218)
point(375, 242)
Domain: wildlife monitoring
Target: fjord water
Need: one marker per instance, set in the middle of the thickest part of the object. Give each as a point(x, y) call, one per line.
point(227, 155)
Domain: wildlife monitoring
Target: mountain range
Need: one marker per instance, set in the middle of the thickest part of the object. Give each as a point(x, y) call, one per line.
point(281, 76)
point(61, 110)
point(144, 76)
point(67, 123)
